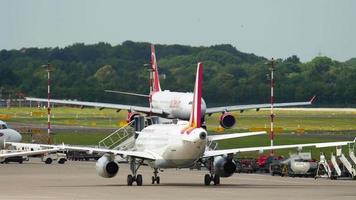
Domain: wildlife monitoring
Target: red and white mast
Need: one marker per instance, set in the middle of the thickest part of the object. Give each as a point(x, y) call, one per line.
point(48, 102)
point(272, 84)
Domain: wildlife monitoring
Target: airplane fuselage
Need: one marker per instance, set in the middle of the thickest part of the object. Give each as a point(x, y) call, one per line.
point(8, 135)
point(177, 104)
point(174, 148)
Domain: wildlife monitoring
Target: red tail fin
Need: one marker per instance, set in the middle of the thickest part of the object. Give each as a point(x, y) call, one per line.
point(195, 115)
point(156, 87)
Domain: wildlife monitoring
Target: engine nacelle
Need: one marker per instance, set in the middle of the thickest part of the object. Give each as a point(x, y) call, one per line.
point(106, 166)
point(227, 120)
point(224, 166)
point(130, 116)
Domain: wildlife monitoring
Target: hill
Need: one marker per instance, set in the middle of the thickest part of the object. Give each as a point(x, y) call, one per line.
point(230, 76)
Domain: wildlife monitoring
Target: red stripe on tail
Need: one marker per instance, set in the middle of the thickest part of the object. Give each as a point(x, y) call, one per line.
point(154, 66)
point(195, 116)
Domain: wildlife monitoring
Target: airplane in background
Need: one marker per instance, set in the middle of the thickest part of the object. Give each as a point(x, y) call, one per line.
point(179, 145)
point(10, 135)
point(171, 105)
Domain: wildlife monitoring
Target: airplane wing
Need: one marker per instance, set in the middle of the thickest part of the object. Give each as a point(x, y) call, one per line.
point(213, 153)
point(26, 153)
point(127, 93)
point(102, 105)
point(234, 135)
point(256, 106)
point(137, 154)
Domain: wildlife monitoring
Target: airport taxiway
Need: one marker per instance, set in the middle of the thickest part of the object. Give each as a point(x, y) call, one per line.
point(78, 180)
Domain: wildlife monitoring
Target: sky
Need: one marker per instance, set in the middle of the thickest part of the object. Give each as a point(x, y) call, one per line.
point(269, 28)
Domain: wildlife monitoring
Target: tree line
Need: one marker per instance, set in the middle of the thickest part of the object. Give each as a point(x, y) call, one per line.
point(83, 72)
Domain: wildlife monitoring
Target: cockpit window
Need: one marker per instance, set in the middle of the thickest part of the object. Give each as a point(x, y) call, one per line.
point(190, 102)
point(3, 126)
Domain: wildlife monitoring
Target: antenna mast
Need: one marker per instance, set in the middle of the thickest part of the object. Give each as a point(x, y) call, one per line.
point(272, 84)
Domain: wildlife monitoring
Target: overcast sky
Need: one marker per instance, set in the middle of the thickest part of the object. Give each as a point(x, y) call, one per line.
point(270, 28)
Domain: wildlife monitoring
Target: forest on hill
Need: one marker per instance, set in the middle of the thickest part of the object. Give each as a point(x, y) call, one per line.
point(83, 72)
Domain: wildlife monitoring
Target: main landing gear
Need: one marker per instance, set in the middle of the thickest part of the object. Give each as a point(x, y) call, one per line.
point(155, 178)
point(211, 177)
point(134, 177)
point(208, 178)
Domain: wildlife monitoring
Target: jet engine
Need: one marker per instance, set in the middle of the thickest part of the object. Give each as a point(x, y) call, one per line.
point(106, 166)
point(227, 120)
point(224, 166)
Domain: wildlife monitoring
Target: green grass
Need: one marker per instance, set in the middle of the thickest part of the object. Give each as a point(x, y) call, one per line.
point(66, 116)
point(288, 120)
point(311, 121)
point(73, 138)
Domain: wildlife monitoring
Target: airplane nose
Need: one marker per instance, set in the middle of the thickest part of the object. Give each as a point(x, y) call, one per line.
point(15, 136)
point(19, 136)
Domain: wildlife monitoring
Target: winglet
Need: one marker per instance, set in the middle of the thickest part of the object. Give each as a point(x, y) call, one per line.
point(156, 87)
point(195, 115)
point(312, 99)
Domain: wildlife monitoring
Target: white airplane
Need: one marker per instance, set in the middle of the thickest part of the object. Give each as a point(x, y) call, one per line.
point(10, 135)
point(172, 105)
point(179, 145)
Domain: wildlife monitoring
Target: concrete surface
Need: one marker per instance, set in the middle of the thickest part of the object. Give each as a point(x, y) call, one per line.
point(78, 180)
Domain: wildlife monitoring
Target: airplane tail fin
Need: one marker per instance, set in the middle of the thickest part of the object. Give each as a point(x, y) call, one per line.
point(156, 87)
point(195, 115)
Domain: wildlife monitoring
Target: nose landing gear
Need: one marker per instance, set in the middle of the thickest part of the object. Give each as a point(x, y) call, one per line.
point(155, 178)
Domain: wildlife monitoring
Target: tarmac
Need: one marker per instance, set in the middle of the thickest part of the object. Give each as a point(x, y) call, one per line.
point(78, 180)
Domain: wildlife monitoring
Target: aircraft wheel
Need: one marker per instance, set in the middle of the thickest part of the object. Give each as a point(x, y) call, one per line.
point(48, 161)
point(157, 180)
point(153, 180)
point(129, 180)
point(139, 179)
point(62, 161)
point(207, 179)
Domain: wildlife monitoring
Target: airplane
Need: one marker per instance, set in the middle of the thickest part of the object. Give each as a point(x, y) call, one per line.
point(10, 135)
point(179, 145)
point(171, 105)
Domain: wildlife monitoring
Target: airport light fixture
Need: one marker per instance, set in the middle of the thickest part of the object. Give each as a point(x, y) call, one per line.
point(48, 68)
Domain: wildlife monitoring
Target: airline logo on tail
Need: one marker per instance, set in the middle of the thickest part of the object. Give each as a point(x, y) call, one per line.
point(195, 115)
point(155, 84)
